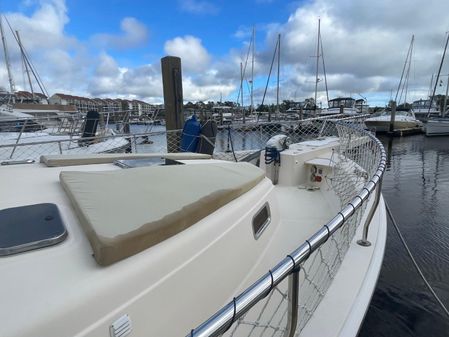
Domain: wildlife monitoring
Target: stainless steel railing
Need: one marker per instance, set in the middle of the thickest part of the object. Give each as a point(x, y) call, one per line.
point(289, 267)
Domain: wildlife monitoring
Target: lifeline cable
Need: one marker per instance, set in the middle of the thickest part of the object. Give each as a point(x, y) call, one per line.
point(414, 261)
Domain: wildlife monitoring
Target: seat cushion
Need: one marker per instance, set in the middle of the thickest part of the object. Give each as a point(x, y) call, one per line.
point(126, 211)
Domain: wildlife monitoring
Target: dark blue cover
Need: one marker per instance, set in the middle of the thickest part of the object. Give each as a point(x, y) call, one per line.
point(190, 135)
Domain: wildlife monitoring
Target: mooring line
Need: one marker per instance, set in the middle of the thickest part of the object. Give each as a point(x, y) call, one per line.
point(414, 261)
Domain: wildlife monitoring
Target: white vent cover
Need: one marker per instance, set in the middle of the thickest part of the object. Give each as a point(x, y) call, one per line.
point(121, 327)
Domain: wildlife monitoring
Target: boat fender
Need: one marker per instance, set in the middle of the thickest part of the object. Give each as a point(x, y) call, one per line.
point(190, 135)
point(206, 143)
point(90, 128)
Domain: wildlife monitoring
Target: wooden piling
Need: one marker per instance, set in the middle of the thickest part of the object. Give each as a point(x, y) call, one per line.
point(393, 116)
point(173, 99)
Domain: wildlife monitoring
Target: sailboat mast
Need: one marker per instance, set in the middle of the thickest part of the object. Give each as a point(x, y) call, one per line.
point(279, 69)
point(252, 69)
point(317, 62)
point(408, 69)
point(438, 75)
point(241, 91)
point(26, 64)
point(8, 65)
point(443, 111)
point(409, 53)
point(324, 69)
point(430, 86)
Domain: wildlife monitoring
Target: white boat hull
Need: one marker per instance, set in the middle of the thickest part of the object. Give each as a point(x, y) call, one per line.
point(437, 127)
point(402, 122)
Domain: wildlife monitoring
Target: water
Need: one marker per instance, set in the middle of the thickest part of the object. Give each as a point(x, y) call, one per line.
point(416, 187)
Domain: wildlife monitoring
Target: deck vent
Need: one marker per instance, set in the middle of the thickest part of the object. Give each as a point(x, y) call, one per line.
point(121, 327)
point(30, 227)
point(261, 220)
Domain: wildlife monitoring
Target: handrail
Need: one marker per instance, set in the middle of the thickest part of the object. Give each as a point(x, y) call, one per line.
point(222, 320)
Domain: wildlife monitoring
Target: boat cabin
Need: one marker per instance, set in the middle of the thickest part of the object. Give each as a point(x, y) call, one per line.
point(346, 102)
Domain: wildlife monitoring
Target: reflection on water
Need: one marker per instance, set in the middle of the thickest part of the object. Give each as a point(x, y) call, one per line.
point(416, 187)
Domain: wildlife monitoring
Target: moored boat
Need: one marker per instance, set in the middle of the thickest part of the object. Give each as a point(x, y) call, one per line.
point(403, 120)
point(425, 108)
point(341, 105)
point(135, 245)
point(437, 126)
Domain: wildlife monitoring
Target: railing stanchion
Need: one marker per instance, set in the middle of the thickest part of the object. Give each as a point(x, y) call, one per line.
point(293, 302)
point(18, 138)
point(364, 240)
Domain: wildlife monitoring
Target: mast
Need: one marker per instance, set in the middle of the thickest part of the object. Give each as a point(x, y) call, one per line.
point(317, 62)
point(252, 69)
point(438, 75)
point(26, 64)
point(430, 86)
point(405, 72)
point(324, 70)
point(241, 91)
point(443, 111)
point(279, 67)
point(407, 77)
point(8, 65)
point(276, 51)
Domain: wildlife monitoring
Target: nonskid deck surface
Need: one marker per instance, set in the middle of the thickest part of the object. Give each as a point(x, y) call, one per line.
point(53, 283)
point(302, 213)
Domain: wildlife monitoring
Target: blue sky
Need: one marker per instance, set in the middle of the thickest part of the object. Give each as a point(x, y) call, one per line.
point(215, 22)
point(113, 48)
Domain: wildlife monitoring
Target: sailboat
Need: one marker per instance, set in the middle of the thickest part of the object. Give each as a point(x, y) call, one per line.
point(31, 134)
point(403, 119)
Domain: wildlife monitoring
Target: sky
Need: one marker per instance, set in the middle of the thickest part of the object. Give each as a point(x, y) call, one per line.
point(113, 48)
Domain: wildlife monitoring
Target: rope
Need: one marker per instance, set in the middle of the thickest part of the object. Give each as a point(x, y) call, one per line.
point(446, 311)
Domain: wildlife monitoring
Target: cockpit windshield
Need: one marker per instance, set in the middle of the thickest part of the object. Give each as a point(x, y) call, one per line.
point(345, 102)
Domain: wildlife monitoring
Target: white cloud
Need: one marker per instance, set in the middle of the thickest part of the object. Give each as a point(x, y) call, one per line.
point(365, 44)
point(204, 92)
point(194, 57)
point(134, 34)
point(111, 80)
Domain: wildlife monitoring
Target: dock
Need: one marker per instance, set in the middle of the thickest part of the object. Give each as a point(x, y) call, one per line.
point(405, 132)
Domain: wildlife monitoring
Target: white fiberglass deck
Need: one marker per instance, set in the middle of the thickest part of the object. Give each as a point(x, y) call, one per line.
point(174, 285)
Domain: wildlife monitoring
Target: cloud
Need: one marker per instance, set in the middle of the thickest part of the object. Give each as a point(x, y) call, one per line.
point(194, 57)
point(365, 44)
point(198, 7)
point(55, 54)
point(134, 34)
point(111, 80)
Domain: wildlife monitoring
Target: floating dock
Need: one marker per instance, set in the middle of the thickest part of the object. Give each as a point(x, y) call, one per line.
point(405, 132)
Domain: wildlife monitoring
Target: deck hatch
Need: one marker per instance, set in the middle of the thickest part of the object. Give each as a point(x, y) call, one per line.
point(261, 220)
point(30, 227)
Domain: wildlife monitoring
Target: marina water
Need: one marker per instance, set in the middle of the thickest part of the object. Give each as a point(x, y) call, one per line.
point(416, 188)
